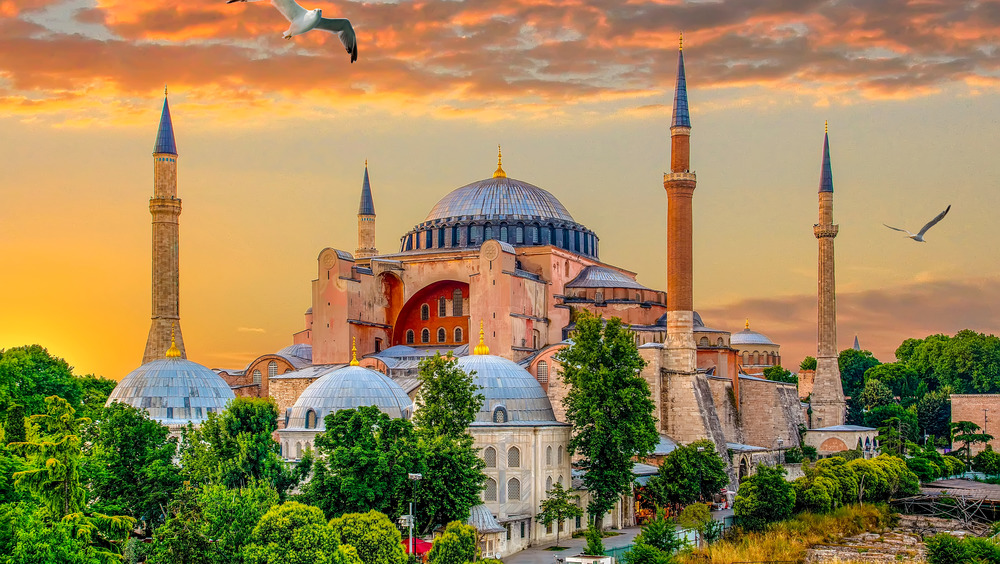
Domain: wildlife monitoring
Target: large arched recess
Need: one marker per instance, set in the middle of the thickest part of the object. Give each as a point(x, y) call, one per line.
point(409, 316)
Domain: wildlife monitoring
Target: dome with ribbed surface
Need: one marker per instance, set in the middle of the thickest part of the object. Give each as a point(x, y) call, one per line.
point(500, 196)
point(174, 391)
point(749, 337)
point(512, 394)
point(350, 387)
point(300, 350)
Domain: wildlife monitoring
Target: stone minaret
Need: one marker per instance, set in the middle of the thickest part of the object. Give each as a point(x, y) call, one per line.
point(366, 221)
point(679, 184)
point(828, 405)
point(166, 210)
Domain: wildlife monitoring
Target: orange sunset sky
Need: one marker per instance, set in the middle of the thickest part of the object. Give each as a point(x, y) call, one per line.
point(273, 135)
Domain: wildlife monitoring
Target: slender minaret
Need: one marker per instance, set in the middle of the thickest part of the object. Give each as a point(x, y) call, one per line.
point(366, 221)
point(679, 184)
point(166, 210)
point(828, 405)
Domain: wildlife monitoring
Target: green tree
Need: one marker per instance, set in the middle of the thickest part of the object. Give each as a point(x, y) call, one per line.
point(28, 535)
point(10, 464)
point(231, 514)
point(293, 533)
point(891, 439)
point(656, 543)
point(130, 463)
point(968, 433)
point(688, 474)
point(853, 365)
point(608, 405)
point(696, 517)
point(456, 545)
point(364, 458)
point(30, 374)
point(934, 412)
point(945, 548)
point(905, 420)
point(373, 535)
point(987, 462)
point(557, 506)
point(779, 374)
point(808, 363)
point(901, 380)
point(94, 392)
point(447, 402)
point(182, 539)
point(453, 472)
point(876, 394)
point(594, 545)
point(764, 497)
point(13, 427)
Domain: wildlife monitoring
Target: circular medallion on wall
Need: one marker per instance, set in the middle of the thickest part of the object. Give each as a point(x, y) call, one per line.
point(329, 259)
point(491, 250)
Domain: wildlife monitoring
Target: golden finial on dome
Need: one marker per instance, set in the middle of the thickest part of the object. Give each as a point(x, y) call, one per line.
point(499, 173)
point(748, 323)
point(173, 351)
point(354, 353)
point(680, 42)
point(481, 348)
point(164, 89)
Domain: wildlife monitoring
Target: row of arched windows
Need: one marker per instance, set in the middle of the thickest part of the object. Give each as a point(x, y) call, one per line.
point(574, 239)
point(704, 342)
point(513, 457)
point(756, 358)
point(548, 455)
point(287, 449)
point(548, 483)
point(513, 490)
point(272, 371)
point(456, 306)
point(425, 335)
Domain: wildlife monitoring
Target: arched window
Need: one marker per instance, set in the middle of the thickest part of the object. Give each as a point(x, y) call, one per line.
point(256, 376)
point(458, 334)
point(703, 342)
point(559, 455)
point(409, 336)
point(425, 335)
point(500, 415)
point(425, 312)
point(560, 481)
point(548, 484)
point(513, 489)
point(442, 307)
point(310, 419)
point(298, 451)
point(503, 233)
point(487, 232)
point(490, 457)
point(746, 357)
point(490, 494)
point(442, 334)
point(548, 456)
point(720, 342)
point(519, 235)
point(543, 371)
point(272, 369)
point(514, 457)
point(456, 303)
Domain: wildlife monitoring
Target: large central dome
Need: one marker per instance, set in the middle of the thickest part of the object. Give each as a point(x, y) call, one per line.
point(500, 196)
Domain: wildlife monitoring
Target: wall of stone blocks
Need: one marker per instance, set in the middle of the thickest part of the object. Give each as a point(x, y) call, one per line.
point(770, 411)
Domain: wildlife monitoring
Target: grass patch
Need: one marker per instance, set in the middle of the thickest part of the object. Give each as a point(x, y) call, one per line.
point(579, 533)
point(788, 540)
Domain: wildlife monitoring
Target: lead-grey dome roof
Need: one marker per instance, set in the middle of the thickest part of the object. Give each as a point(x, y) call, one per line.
point(509, 388)
point(350, 387)
point(500, 196)
point(174, 391)
point(749, 337)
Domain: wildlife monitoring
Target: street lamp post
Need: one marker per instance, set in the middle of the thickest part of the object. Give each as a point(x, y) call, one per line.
point(413, 478)
point(781, 443)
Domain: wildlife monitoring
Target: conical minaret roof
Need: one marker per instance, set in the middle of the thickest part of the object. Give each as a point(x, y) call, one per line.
point(367, 206)
point(165, 143)
point(826, 176)
point(681, 116)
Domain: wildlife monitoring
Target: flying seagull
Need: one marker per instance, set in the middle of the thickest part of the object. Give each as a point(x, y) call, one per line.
point(303, 20)
point(919, 237)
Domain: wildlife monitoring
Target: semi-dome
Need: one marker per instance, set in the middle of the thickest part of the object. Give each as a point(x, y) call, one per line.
point(174, 391)
point(500, 196)
point(512, 394)
point(300, 350)
point(350, 387)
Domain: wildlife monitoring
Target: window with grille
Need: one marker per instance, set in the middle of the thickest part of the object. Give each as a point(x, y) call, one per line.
point(442, 307)
point(456, 303)
point(548, 456)
point(490, 456)
point(548, 484)
point(514, 458)
point(425, 336)
point(513, 489)
point(425, 312)
point(458, 334)
point(522, 529)
point(298, 450)
point(559, 456)
point(491, 490)
point(256, 376)
point(310, 419)
point(442, 335)
point(272, 369)
point(543, 371)
point(409, 336)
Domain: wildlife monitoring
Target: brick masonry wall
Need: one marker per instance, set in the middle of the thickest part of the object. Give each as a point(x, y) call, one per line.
point(970, 407)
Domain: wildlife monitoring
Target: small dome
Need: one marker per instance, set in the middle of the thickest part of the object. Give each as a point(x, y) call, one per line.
point(499, 196)
point(350, 387)
point(748, 337)
point(512, 393)
point(301, 350)
point(174, 391)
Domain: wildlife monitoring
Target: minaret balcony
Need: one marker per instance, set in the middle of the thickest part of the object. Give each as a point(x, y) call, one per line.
point(825, 231)
point(674, 176)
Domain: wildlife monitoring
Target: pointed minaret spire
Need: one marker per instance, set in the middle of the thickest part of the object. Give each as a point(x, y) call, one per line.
point(826, 174)
point(681, 116)
point(366, 220)
point(857, 345)
point(165, 143)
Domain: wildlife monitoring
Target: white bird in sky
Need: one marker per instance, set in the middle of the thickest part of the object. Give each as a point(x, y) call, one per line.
point(919, 237)
point(303, 20)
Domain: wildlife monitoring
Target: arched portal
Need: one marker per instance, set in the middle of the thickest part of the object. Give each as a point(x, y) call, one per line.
point(410, 318)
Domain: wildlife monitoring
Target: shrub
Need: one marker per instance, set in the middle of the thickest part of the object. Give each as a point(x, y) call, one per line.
point(946, 549)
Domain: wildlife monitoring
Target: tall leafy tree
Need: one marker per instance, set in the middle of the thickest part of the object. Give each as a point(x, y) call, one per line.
point(364, 458)
point(934, 412)
point(876, 394)
point(456, 545)
point(94, 392)
point(558, 506)
point(779, 374)
point(609, 406)
point(293, 533)
point(968, 433)
point(688, 474)
point(853, 365)
point(182, 539)
point(30, 374)
point(891, 437)
point(808, 363)
point(130, 463)
point(901, 380)
point(13, 427)
point(764, 497)
point(230, 516)
point(453, 472)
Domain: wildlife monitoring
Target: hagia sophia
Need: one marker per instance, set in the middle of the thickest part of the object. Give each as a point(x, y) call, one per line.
point(494, 275)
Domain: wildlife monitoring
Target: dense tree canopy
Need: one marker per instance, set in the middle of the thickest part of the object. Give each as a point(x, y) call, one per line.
point(764, 497)
point(688, 474)
point(456, 545)
point(30, 374)
point(293, 533)
point(448, 400)
point(608, 405)
point(373, 535)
